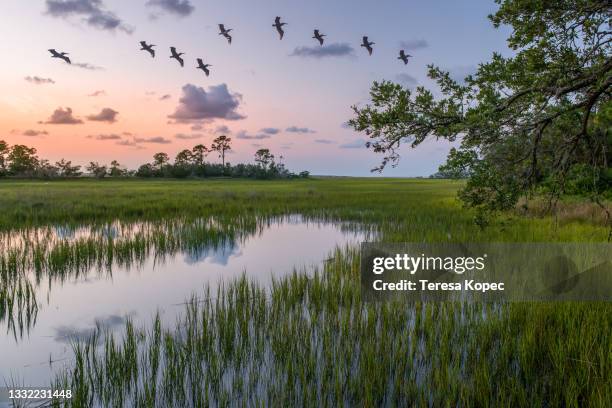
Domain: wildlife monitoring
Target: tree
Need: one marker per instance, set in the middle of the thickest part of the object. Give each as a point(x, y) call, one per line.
point(160, 160)
point(116, 169)
point(66, 169)
point(22, 160)
point(264, 158)
point(220, 145)
point(524, 121)
point(198, 153)
point(183, 158)
point(96, 170)
point(4, 150)
point(46, 170)
point(145, 170)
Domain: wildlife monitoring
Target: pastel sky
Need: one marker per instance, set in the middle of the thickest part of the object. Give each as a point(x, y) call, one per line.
point(291, 96)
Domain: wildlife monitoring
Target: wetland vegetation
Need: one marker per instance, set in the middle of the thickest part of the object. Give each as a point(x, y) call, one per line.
point(306, 339)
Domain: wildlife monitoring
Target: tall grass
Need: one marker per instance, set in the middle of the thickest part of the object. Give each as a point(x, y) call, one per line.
point(311, 340)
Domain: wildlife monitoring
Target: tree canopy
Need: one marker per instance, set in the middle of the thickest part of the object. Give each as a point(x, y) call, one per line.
point(538, 119)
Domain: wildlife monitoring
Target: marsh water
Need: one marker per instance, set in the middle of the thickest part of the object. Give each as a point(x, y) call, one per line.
point(60, 283)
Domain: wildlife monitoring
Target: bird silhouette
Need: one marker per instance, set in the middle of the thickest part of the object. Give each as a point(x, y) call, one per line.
point(279, 27)
point(203, 66)
point(225, 32)
point(62, 55)
point(177, 55)
point(318, 36)
point(148, 47)
point(403, 56)
point(367, 44)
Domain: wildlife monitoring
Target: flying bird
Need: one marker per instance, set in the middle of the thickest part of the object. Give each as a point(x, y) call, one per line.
point(403, 56)
point(177, 55)
point(367, 44)
point(318, 36)
point(203, 66)
point(62, 55)
point(148, 48)
point(225, 32)
point(279, 26)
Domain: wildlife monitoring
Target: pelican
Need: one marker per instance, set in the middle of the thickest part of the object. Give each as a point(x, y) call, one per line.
point(404, 57)
point(203, 66)
point(148, 48)
point(318, 36)
point(176, 55)
point(62, 55)
point(367, 44)
point(279, 26)
point(225, 32)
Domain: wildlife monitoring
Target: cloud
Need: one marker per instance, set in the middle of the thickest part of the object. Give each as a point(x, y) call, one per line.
point(324, 141)
point(244, 135)
point(88, 66)
point(406, 79)
point(183, 136)
point(154, 139)
point(98, 93)
point(270, 130)
point(63, 117)
point(164, 97)
point(38, 80)
point(34, 133)
point(331, 50)
point(129, 143)
point(415, 44)
point(355, 144)
point(69, 334)
point(222, 129)
point(150, 93)
point(92, 12)
point(111, 136)
point(181, 8)
point(295, 129)
point(197, 127)
point(216, 103)
point(106, 115)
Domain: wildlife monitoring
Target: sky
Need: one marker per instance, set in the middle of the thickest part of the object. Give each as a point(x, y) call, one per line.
point(116, 102)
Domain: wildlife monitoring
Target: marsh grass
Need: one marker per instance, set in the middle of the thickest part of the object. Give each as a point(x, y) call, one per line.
point(310, 340)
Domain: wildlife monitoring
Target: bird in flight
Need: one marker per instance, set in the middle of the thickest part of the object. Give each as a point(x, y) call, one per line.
point(177, 55)
point(203, 66)
point(225, 32)
point(318, 36)
point(403, 56)
point(62, 55)
point(148, 47)
point(279, 27)
point(367, 44)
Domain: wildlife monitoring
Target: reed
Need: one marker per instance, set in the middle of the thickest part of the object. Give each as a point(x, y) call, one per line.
point(308, 340)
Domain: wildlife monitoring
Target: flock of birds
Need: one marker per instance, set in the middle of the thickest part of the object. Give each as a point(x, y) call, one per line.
point(225, 32)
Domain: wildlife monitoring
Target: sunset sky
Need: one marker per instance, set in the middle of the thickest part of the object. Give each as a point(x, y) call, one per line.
point(292, 96)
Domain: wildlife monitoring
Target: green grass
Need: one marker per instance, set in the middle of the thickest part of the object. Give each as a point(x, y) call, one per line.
point(311, 341)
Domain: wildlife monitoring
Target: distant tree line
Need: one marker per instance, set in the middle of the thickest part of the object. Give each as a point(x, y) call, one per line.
point(23, 161)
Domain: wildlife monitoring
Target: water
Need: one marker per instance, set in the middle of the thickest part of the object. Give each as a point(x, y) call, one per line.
point(70, 308)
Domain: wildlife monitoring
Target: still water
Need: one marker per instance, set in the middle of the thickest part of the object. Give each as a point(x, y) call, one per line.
point(70, 309)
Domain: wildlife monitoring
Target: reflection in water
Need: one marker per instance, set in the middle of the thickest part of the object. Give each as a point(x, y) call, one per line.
point(69, 334)
point(58, 284)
